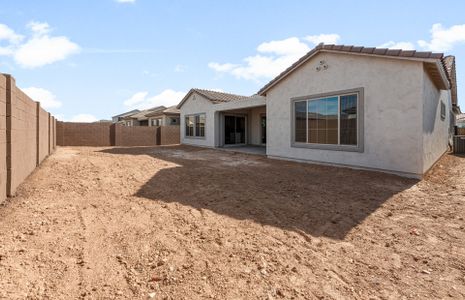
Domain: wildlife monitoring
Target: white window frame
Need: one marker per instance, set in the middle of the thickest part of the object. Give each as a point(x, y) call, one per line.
point(336, 147)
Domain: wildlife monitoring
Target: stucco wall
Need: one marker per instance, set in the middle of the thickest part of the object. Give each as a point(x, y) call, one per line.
point(255, 125)
point(435, 130)
point(392, 111)
point(196, 105)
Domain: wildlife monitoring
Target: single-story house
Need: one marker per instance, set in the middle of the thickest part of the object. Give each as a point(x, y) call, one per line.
point(140, 118)
point(369, 108)
point(166, 117)
point(119, 118)
point(460, 121)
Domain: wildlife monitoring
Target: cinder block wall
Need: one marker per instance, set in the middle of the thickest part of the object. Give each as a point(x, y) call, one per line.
point(22, 129)
point(24, 136)
point(170, 135)
point(3, 140)
point(135, 135)
point(83, 134)
point(43, 143)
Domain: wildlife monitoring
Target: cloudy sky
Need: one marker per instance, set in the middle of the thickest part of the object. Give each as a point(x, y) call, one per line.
point(91, 59)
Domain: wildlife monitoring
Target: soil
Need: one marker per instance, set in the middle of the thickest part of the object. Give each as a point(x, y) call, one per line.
point(189, 223)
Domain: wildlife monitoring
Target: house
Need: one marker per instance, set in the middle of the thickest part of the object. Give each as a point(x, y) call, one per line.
point(119, 118)
point(369, 108)
point(460, 121)
point(166, 117)
point(140, 118)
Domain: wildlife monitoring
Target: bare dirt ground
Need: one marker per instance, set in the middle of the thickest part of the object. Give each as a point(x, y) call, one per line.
point(189, 223)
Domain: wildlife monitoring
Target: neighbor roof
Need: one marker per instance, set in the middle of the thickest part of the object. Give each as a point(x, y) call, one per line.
point(214, 96)
point(127, 113)
point(142, 114)
point(172, 110)
point(438, 73)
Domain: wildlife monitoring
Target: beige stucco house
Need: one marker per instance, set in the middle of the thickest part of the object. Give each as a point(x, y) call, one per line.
point(377, 109)
point(156, 116)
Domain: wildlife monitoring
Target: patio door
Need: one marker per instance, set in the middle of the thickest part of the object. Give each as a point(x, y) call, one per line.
point(234, 130)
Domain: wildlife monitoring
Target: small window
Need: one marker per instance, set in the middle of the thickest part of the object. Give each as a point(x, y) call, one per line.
point(443, 111)
point(195, 125)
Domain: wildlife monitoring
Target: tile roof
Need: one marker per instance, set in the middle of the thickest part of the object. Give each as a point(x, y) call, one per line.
point(449, 64)
point(219, 97)
point(355, 50)
point(142, 114)
point(169, 110)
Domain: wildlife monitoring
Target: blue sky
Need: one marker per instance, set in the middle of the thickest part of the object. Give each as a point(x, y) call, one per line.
point(91, 59)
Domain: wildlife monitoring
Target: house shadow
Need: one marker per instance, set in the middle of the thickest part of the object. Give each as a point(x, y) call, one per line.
point(321, 201)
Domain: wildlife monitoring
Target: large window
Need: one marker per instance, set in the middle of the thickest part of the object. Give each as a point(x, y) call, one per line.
point(331, 120)
point(195, 125)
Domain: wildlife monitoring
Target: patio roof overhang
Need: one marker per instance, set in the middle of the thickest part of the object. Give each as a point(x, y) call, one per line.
point(254, 101)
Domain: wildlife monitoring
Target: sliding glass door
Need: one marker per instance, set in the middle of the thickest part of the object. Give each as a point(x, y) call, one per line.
point(234, 130)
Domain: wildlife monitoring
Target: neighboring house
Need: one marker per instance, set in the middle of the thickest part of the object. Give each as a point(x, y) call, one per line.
point(166, 117)
point(119, 118)
point(460, 121)
point(140, 118)
point(377, 109)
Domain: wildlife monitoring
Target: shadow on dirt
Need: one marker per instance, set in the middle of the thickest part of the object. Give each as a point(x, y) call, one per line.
point(317, 200)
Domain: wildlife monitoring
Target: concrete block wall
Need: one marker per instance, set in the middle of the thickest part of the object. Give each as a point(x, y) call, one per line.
point(43, 143)
point(170, 135)
point(103, 134)
point(3, 139)
point(24, 136)
point(83, 134)
point(135, 135)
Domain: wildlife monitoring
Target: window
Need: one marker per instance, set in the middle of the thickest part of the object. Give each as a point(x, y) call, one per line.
point(328, 122)
point(156, 122)
point(443, 111)
point(195, 125)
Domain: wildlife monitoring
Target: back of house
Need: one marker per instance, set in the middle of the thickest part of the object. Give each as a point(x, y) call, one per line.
point(377, 109)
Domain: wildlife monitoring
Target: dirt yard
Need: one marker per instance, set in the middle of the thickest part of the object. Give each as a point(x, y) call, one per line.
point(189, 223)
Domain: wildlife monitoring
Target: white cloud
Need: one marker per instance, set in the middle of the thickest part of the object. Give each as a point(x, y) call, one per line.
point(8, 34)
point(39, 49)
point(398, 45)
point(179, 68)
point(272, 58)
point(444, 39)
point(167, 98)
point(331, 38)
point(222, 67)
point(46, 98)
point(126, 1)
point(85, 118)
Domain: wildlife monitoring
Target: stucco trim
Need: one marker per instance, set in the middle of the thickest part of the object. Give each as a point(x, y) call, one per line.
point(360, 122)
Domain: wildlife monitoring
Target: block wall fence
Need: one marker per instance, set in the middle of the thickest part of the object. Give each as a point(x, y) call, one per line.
point(107, 134)
point(27, 135)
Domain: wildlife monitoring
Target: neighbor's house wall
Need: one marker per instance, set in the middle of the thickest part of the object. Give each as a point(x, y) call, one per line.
point(392, 111)
point(195, 106)
point(435, 131)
